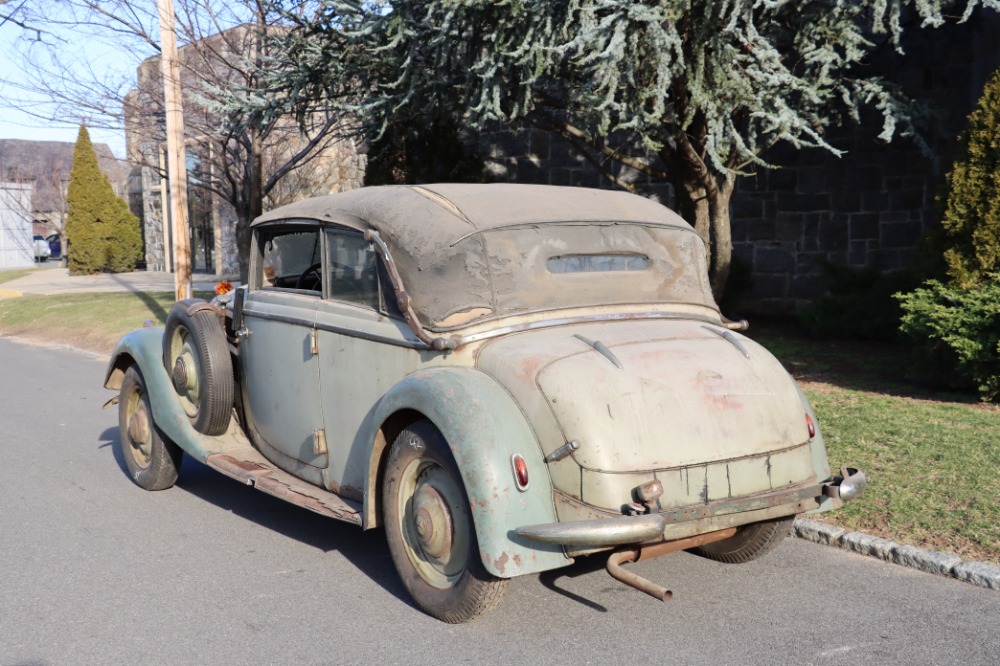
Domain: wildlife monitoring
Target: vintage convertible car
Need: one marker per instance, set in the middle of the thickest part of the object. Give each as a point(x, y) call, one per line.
point(503, 377)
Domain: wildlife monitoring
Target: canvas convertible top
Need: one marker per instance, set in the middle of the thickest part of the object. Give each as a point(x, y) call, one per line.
point(470, 252)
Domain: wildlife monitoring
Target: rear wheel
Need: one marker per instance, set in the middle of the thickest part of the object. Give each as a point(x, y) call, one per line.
point(749, 542)
point(430, 531)
point(152, 460)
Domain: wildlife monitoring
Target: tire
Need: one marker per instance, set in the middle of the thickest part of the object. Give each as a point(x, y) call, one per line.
point(443, 572)
point(749, 542)
point(196, 356)
point(153, 460)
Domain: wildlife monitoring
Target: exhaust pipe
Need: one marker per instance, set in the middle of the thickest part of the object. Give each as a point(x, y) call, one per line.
point(640, 553)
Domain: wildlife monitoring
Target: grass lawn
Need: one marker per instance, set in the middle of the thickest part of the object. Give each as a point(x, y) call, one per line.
point(93, 321)
point(932, 459)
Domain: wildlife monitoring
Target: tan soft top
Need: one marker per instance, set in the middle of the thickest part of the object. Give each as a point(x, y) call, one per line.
point(469, 252)
point(447, 211)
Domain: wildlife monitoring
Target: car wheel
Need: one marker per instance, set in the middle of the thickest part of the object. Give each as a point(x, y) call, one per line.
point(152, 460)
point(749, 542)
point(429, 528)
point(197, 359)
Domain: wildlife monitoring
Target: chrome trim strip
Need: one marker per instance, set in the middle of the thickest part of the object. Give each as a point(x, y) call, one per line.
point(330, 328)
point(723, 461)
point(601, 349)
point(582, 319)
point(372, 337)
point(730, 338)
point(280, 318)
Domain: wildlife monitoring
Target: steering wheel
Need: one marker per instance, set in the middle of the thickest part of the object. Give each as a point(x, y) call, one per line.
point(311, 274)
point(312, 277)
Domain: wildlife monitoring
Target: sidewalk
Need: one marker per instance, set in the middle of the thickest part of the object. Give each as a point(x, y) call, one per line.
point(57, 280)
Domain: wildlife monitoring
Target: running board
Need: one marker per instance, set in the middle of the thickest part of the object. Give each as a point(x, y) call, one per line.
point(250, 467)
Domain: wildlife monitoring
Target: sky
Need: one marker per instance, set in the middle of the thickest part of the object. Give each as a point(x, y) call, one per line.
point(15, 125)
point(102, 58)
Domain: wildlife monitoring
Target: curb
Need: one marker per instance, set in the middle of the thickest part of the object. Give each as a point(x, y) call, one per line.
point(930, 561)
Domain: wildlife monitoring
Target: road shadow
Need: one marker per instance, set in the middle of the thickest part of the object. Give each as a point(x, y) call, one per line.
point(366, 550)
point(582, 567)
point(151, 303)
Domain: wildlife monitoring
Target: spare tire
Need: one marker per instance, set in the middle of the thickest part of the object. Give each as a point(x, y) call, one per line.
point(196, 356)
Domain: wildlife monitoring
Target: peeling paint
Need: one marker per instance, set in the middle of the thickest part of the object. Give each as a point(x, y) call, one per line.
point(500, 563)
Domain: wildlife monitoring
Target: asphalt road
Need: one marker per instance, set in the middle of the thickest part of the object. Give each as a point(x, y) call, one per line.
point(94, 570)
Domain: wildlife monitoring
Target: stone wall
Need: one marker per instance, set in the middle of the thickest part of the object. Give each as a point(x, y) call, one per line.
point(868, 207)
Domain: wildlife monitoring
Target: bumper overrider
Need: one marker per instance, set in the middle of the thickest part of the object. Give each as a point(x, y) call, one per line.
point(687, 521)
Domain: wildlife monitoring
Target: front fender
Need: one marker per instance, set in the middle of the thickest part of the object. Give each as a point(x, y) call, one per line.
point(484, 427)
point(144, 348)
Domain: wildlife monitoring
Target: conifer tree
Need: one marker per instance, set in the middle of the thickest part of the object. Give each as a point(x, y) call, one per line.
point(690, 92)
point(101, 233)
point(971, 221)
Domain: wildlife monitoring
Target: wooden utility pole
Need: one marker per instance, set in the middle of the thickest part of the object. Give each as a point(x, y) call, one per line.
point(176, 160)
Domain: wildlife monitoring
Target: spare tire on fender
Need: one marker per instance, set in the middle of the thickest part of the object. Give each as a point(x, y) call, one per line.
point(196, 356)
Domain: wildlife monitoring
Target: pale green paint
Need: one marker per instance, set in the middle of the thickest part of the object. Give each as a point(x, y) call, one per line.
point(484, 427)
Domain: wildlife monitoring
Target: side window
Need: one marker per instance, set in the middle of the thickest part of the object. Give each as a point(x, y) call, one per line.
point(352, 273)
point(291, 259)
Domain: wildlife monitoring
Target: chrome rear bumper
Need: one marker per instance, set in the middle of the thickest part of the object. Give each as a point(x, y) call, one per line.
point(690, 520)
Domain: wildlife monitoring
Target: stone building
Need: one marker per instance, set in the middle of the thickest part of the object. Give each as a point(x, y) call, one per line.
point(219, 158)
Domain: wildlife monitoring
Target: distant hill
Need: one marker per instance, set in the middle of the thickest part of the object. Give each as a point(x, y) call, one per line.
point(48, 164)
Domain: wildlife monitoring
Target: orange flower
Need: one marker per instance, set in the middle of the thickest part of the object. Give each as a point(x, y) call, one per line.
point(223, 287)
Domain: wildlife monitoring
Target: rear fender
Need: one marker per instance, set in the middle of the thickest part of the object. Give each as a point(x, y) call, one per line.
point(144, 348)
point(484, 427)
point(821, 463)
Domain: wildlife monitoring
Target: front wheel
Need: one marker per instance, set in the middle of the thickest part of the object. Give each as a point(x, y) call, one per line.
point(749, 542)
point(152, 460)
point(430, 531)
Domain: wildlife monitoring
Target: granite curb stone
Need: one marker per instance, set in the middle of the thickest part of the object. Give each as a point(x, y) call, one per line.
point(931, 561)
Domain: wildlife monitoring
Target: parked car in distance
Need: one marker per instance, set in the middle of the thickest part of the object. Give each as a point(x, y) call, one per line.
point(502, 377)
point(41, 246)
point(55, 245)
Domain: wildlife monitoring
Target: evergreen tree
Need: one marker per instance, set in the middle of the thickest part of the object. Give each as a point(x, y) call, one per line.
point(690, 92)
point(971, 222)
point(101, 233)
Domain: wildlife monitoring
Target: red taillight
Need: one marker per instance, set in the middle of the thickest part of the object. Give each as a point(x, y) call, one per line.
point(520, 471)
point(810, 426)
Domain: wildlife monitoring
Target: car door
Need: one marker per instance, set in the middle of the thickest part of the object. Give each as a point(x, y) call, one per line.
point(281, 372)
point(365, 348)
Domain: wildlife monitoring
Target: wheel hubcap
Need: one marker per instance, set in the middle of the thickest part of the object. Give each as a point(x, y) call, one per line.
point(140, 436)
point(435, 529)
point(184, 371)
point(433, 522)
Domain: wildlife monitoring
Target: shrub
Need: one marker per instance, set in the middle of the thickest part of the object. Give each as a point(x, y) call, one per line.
point(858, 304)
point(101, 233)
point(971, 221)
point(956, 335)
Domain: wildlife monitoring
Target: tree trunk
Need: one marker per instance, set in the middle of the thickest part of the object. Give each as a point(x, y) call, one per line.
point(243, 220)
point(254, 203)
point(709, 214)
